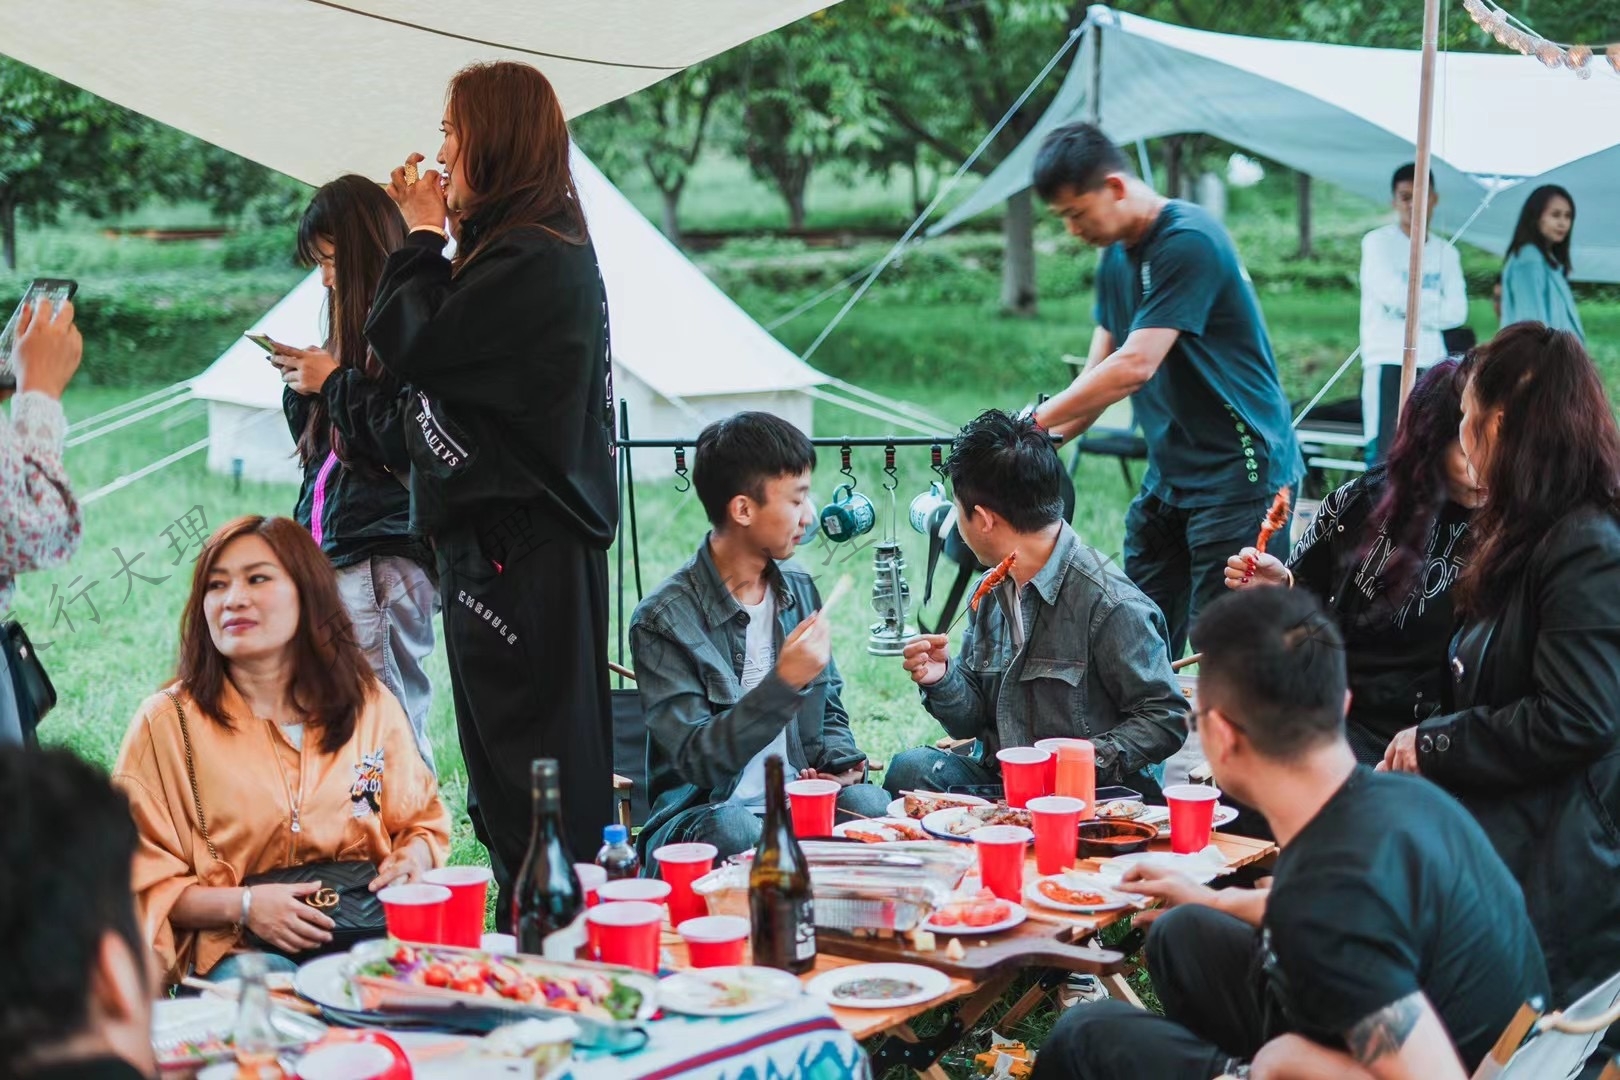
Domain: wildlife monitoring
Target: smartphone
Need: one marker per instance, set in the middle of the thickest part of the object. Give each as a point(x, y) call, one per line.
point(263, 341)
point(58, 291)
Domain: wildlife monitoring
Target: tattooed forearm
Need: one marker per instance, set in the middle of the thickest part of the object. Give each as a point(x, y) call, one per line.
point(1385, 1031)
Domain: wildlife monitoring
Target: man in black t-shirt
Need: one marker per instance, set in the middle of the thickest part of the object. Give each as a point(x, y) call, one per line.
point(1179, 331)
point(1392, 942)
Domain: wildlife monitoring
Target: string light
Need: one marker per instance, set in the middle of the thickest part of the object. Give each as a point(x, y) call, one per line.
point(1513, 34)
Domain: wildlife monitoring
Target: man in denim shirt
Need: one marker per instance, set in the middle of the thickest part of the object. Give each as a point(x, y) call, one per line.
point(1066, 647)
point(733, 658)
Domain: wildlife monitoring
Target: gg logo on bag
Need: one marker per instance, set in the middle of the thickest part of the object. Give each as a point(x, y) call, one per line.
point(322, 898)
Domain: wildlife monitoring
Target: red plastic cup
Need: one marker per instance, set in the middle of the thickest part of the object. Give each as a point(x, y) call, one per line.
point(1051, 746)
point(1057, 831)
point(627, 891)
point(1192, 816)
point(715, 940)
point(415, 912)
point(680, 865)
point(591, 878)
point(627, 933)
point(1001, 859)
point(812, 803)
point(464, 916)
point(1023, 774)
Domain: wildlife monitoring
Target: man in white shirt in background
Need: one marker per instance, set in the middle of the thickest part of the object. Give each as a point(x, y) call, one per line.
point(1385, 264)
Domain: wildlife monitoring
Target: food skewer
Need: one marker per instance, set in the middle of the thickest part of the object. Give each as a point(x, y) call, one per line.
point(1275, 519)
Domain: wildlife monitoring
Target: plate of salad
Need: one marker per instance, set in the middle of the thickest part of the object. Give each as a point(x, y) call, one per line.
point(394, 974)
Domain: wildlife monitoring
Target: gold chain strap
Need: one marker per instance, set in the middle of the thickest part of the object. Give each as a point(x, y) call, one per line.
point(191, 773)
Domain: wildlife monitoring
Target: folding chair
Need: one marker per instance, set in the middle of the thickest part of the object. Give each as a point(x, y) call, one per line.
point(1561, 1042)
point(1116, 434)
point(629, 752)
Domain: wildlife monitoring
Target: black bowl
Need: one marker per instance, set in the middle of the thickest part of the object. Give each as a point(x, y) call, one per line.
point(1105, 839)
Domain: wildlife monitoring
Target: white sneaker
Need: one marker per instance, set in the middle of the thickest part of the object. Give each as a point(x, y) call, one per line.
point(1081, 989)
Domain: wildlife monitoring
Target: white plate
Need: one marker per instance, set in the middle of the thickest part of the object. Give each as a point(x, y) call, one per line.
point(844, 828)
point(694, 992)
point(1202, 868)
point(325, 981)
point(938, 824)
point(897, 809)
point(1017, 916)
point(930, 985)
point(1160, 815)
point(1113, 899)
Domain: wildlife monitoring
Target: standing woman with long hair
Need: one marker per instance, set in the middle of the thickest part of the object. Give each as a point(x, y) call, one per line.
point(505, 349)
point(1533, 748)
point(347, 415)
point(1382, 554)
point(1535, 275)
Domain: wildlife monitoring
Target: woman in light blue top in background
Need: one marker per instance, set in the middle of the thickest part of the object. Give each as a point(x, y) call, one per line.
point(1535, 277)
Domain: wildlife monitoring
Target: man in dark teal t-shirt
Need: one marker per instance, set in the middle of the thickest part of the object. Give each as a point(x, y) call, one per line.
point(1179, 332)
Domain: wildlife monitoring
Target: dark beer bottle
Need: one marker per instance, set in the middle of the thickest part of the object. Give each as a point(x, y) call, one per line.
point(779, 896)
point(547, 896)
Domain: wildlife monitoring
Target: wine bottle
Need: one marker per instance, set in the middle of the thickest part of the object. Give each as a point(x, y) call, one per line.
point(779, 895)
point(547, 896)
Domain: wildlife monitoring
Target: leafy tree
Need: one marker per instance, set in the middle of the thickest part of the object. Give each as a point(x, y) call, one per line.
point(57, 147)
point(661, 129)
point(804, 101)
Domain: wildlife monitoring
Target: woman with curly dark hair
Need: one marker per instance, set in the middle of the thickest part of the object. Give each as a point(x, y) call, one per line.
point(1382, 554)
point(1533, 748)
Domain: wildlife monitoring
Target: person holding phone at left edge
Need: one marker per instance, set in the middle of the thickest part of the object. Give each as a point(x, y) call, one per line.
point(40, 523)
point(505, 348)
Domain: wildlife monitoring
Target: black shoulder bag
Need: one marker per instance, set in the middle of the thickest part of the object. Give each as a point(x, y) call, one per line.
point(35, 696)
point(345, 895)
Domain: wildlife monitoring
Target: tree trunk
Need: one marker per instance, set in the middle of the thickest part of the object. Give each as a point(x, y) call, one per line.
point(672, 221)
point(1018, 296)
point(8, 232)
point(917, 204)
point(1303, 189)
point(793, 192)
point(1172, 167)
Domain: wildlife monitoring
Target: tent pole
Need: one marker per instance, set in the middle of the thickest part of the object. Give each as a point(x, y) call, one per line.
point(1420, 198)
point(1096, 75)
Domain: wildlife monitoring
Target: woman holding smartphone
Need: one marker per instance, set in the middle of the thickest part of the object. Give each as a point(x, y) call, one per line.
point(505, 348)
point(347, 415)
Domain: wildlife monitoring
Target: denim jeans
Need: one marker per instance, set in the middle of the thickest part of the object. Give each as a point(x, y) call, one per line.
point(1177, 555)
point(390, 600)
point(231, 967)
point(734, 829)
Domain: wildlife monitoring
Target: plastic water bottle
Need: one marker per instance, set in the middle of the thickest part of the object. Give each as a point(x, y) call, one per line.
point(617, 857)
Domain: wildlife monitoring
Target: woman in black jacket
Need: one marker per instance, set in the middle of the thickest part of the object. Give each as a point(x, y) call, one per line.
point(1533, 748)
point(505, 349)
point(1382, 554)
point(347, 417)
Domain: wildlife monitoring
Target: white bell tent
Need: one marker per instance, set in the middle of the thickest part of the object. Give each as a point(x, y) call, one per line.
point(1348, 115)
point(683, 352)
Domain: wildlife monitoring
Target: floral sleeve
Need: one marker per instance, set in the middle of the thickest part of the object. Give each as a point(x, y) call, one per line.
point(40, 523)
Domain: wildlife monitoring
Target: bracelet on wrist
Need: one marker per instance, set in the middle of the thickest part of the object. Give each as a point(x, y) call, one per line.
point(443, 233)
point(247, 909)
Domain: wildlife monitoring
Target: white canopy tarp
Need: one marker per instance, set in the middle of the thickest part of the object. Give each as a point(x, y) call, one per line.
point(315, 88)
point(683, 352)
point(1348, 115)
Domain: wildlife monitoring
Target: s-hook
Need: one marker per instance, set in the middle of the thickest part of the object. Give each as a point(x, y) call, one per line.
point(683, 482)
point(844, 453)
point(889, 470)
point(936, 459)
